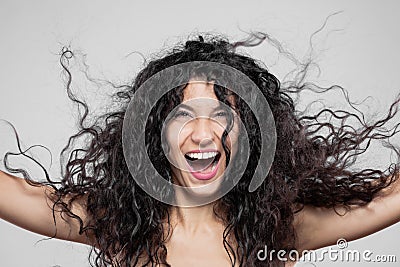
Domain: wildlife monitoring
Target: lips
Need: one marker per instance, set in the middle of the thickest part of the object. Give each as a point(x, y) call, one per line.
point(203, 164)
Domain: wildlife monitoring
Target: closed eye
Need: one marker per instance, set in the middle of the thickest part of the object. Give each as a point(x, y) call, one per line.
point(182, 114)
point(221, 114)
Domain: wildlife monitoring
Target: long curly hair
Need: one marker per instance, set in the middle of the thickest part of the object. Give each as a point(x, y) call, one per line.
point(310, 167)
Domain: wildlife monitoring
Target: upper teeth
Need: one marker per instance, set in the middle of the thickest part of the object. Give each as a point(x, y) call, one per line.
point(204, 155)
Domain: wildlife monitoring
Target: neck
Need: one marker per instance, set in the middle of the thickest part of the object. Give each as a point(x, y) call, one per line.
point(195, 220)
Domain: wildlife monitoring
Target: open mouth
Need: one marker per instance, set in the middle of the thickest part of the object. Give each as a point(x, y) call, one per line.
point(203, 164)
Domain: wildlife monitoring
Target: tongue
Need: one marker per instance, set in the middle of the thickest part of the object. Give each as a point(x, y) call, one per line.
point(200, 165)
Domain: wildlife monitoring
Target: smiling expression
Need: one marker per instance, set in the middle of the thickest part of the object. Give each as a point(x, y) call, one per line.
point(194, 135)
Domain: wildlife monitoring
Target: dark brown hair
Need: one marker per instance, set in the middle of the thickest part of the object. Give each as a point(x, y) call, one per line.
point(309, 168)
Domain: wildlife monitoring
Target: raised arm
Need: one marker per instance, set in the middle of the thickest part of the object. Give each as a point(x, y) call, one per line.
point(30, 207)
point(321, 227)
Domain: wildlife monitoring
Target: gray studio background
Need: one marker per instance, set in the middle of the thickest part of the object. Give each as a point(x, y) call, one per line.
point(358, 49)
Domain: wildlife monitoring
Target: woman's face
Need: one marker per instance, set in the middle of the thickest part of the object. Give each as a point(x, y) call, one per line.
point(194, 136)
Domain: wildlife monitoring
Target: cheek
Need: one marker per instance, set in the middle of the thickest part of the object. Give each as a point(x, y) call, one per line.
point(173, 153)
point(171, 138)
point(184, 132)
point(232, 140)
point(175, 136)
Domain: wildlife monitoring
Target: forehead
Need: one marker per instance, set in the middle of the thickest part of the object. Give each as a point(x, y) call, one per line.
point(198, 89)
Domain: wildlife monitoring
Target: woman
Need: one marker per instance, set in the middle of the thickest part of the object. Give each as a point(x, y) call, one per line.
point(195, 136)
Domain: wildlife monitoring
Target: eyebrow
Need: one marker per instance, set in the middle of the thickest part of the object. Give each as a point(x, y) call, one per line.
point(220, 106)
point(185, 107)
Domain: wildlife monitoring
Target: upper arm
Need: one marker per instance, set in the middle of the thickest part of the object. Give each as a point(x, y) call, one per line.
point(31, 208)
point(320, 227)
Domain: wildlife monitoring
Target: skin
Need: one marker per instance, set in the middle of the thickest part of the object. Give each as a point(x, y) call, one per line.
point(198, 125)
point(197, 223)
point(196, 231)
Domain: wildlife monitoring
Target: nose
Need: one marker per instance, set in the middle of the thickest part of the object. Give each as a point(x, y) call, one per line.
point(202, 131)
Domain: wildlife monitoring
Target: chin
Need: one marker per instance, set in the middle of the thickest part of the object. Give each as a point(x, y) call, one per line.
point(197, 189)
